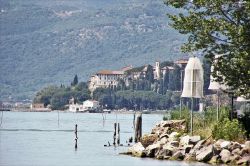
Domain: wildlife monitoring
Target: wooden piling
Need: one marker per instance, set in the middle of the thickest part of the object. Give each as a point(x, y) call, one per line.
point(138, 128)
point(134, 121)
point(76, 138)
point(114, 137)
point(118, 134)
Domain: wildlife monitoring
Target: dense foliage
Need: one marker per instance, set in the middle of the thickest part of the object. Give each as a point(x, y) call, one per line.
point(218, 27)
point(131, 99)
point(58, 97)
point(229, 130)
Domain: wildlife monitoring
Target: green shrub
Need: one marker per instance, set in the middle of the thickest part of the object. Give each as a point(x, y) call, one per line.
point(229, 130)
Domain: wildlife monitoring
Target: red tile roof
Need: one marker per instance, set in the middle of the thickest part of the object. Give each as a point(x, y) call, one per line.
point(109, 72)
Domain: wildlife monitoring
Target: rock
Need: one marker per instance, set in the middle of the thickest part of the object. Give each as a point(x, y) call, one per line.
point(236, 151)
point(148, 139)
point(174, 136)
point(177, 156)
point(152, 149)
point(194, 139)
point(163, 140)
point(193, 151)
point(184, 140)
point(205, 154)
point(208, 142)
point(174, 143)
point(225, 155)
point(199, 144)
point(225, 144)
point(126, 153)
point(214, 159)
point(243, 152)
point(160, 157)
point(234, 145)
point(166, 157)
point(164, 136)
point(137, 150)
point(168, 150)
point(244, 161)
point(234, 158)
point(187, 148)
point(217, 149)
point(160, 130)
point(247, 146)
point(189, 157)
point(168, 126)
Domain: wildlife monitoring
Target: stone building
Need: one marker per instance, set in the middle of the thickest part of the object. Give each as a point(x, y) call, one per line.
point(105, 79)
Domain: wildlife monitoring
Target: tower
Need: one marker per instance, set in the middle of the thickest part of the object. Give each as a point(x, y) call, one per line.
point(157, 70)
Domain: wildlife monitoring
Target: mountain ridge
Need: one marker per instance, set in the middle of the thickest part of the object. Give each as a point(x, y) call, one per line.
point(48, 42)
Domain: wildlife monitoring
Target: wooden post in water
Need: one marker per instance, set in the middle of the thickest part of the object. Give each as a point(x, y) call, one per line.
point(76, 136)
point(138, 128)
point(134, 122)
point(118, 134)
point(114, 137)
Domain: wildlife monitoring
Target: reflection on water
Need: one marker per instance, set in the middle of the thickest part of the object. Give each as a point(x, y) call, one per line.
point(30, 138)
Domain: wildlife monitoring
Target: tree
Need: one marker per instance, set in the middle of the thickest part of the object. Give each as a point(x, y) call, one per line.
point(218, 27)
point(206, 76)
point(75, 81)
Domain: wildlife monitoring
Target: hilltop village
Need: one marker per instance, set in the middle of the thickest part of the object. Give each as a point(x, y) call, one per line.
point(156, 75)
point(147, 87)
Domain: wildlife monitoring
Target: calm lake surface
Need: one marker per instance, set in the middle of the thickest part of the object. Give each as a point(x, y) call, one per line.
point(35, 139)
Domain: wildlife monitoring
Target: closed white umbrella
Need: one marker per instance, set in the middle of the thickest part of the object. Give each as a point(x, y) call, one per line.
point(193, 82)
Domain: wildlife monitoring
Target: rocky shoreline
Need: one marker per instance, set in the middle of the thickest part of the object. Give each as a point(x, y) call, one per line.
point(168, 141)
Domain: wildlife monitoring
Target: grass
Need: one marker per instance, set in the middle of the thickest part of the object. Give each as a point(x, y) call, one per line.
point(206, 125)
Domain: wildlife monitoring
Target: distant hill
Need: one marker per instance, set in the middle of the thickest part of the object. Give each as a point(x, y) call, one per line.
point(49, 41)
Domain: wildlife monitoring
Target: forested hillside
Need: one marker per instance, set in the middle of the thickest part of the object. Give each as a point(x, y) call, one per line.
point(48, 42)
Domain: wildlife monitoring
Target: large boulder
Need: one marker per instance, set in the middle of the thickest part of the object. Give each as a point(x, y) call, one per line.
point(225, 144)
point(236, 151)
point(194, 139)
point(148, 139)
point(187, 148)
point(163, 140)
point(184, 140)
point(225, 156)
point(174, 143)
point(168, 150)
point(247, 146)
point(178, 155)
point(234, 145)
point(174, 136)
point(199, 145)
point(244, 161)
point(205, 154)
point(151, 150)
point(137, 150)
point(166, 127)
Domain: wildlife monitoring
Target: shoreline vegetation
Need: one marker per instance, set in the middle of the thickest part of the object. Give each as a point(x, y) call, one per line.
point(221, 141)
point(169, 140)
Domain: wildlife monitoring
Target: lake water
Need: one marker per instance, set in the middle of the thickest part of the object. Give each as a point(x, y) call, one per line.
point(36, 139)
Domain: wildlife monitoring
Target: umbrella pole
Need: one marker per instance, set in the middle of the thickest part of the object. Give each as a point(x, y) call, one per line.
point(192, 107)
point(217, 109)
point(180, 107)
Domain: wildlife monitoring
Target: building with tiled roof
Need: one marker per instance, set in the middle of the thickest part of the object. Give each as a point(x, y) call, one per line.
point(105, 79)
